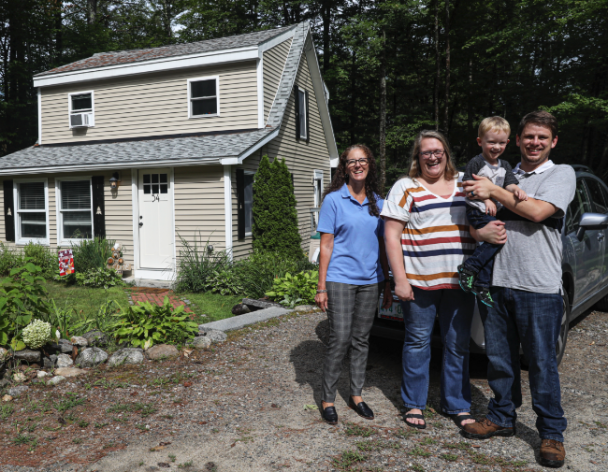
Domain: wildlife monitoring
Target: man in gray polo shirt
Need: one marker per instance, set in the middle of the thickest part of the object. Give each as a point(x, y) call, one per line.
point(526, 287)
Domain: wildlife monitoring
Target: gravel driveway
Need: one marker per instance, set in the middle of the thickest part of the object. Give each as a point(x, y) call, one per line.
point(249, 405)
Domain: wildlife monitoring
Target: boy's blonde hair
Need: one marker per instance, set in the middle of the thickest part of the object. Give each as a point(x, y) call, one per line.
point(496, 123)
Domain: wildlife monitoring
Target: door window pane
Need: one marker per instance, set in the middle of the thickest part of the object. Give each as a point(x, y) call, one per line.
point(33, 225)
point(598, 196)
point(248, 202)
point(31, 196)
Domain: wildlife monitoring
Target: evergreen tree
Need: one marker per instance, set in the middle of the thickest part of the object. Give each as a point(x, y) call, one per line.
point(275, 220)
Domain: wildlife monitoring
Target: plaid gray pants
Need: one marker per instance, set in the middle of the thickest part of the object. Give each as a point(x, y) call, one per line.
point(350, 311)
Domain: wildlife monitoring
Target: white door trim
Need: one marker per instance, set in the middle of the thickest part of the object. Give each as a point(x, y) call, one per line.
point(228, 209)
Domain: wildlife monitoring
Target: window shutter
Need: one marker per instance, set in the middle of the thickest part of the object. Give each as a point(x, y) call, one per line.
point(240, 198)
point(307, 117)
point(99, 207)
point(297, 103)
point(9, 211)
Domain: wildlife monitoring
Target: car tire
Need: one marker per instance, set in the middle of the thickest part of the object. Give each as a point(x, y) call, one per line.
point(602, 305)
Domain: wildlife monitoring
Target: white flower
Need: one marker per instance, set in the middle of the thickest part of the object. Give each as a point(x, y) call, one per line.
point(36, 334)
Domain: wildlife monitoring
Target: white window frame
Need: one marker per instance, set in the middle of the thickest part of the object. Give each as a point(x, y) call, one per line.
point(18, 238)
point(61, 240)
point(249, 233)
point(217, 96)
point(92, 112)
point(317, 177)
point(303, 134)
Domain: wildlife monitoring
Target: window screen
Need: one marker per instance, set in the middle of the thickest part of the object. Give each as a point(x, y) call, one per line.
point(32, 210)
point(82, 102)
point(76, 212)
point(248, 202)
point(203, 97)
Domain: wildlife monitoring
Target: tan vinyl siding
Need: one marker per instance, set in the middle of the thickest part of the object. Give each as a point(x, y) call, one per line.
point(274, 62)
point(118, 209)
point(199, 206)
point(302, 159)
point(153, 105)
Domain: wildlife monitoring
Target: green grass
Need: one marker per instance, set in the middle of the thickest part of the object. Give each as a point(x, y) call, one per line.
point(84, 300)
point(213, 305)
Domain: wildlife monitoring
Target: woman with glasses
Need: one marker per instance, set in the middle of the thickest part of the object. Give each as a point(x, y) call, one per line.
point(352, 271)
point(427, 237)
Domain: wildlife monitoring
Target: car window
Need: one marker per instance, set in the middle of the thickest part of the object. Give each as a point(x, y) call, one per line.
point(598, 196)
point(579, 205)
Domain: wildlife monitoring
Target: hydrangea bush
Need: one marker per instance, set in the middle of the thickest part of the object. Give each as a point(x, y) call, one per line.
point(36, 334)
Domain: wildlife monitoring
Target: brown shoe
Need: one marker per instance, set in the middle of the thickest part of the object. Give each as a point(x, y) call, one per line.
point(552, 453)
point(485, 429)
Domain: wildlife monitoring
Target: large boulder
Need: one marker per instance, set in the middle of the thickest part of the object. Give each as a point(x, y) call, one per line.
point(91, 357)
point(162, 351)
point(96, 338)
point(63, 360)
point(126, 356)
point(68, 372)
point(27, 355)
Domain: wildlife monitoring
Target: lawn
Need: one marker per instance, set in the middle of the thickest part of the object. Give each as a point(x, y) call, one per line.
point(213, 305)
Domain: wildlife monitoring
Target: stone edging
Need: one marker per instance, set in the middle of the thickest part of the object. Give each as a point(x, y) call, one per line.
point(238, 322)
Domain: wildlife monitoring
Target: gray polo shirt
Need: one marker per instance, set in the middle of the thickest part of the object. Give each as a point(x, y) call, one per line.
point(531, 259)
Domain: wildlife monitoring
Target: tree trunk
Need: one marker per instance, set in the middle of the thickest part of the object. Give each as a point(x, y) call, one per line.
point(446, 116)
point(326, 21)
point(438, 67)
point(604, 161)
point(382, 154)
point(91, 11)
point(58, 32)
point(167, 16)
point(470, 108)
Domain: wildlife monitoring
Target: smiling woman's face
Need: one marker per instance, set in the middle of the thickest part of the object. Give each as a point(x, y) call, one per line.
point(433, 167)
point(356, 172)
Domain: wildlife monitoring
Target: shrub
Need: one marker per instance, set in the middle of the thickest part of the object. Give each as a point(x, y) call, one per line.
point(275, 220)
point(295, 290)
point(9, 259)
point(36, 334)
point(101, 277)
point(43, 257)
point(224, 282)
point(92, 254)
point(146, 324)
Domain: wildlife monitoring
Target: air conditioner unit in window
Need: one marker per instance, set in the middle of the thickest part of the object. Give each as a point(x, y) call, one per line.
point(81, 120)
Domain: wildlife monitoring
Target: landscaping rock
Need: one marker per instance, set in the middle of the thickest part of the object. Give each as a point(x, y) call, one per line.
point(91, 357)
point(55, 380)
point(215, 335)
point(306, 308)
point(47, 363)
point(79, 341)
point(4, 355)
point(96, 338)
point(69, 372)
point(19, 377)
point(7, 398)
point(162, 351)
point(17, 391)
point(257, 304)
point(126, 356)
point(42, 374)
point(200, 342)
point(27, 355)
point(63, 360)
point(65, 346)
point(240, 309)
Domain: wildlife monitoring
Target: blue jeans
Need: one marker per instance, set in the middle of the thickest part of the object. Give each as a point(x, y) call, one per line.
point(455, 311)
point(532, 320)
point(481, 261)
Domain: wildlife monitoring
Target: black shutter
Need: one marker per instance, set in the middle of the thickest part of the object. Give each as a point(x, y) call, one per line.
point(9, 211)
point(240, 198)
point(297, 98)
point(306, 117)
point(99, 207)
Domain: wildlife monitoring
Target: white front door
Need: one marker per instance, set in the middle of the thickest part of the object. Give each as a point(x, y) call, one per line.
point(155, 219)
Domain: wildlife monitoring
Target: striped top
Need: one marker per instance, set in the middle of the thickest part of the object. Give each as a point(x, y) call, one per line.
point(436, 237)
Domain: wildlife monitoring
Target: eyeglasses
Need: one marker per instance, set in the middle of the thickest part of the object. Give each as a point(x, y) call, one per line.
point(428, 154)
point(362, 162)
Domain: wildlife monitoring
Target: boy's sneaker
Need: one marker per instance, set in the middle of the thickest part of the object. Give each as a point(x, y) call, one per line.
point(484, 296)
point(466, 278)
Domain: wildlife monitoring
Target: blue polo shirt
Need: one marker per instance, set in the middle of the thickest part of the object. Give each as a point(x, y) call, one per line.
point(356, 255)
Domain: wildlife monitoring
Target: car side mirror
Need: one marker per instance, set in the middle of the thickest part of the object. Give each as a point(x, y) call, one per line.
point(591, 221)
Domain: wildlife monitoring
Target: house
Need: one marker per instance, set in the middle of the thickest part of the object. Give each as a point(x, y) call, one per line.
point(149, 146)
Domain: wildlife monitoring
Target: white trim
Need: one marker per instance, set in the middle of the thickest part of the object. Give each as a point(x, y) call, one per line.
point(228, 161)
point(92, 112)
point(228, 209)
point(58, 212)
point(18, 239)
point(260, 79)
point(135, 210)
point(277, 40)
point(217, 96)
point(39, 116)
point(158, 65)
point(333, 162)
point(150, 274)
point(172, 194)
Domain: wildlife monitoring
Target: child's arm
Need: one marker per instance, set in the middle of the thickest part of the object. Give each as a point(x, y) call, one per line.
point(519, 193)
point(490, 207)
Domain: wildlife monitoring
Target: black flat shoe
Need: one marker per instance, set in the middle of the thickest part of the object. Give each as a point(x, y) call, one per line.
point(330, 414)
point(361, 409)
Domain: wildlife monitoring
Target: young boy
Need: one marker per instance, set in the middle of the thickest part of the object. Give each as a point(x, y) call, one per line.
point(476, 273)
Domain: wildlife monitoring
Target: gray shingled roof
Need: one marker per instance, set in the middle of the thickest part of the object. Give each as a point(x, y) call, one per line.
point(205, 149)
point(103, 59)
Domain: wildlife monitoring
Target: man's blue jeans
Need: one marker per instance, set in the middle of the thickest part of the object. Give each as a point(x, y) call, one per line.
point(532, 320)
point(455, 311)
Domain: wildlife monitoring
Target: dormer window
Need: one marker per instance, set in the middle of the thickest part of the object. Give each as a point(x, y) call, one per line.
point(81, 110)
point(204, 97)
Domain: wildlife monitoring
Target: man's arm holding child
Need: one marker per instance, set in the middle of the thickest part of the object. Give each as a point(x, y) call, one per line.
point(519, 193)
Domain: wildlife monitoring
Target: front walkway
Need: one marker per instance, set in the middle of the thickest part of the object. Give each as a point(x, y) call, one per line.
point(156, 296)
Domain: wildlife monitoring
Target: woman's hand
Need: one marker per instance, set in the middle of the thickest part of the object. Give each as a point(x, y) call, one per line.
point(388, 296)
point(321, 301)
point(494, 233)
point(404, 291)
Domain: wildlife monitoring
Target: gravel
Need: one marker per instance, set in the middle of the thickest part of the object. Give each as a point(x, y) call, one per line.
point(248, 405)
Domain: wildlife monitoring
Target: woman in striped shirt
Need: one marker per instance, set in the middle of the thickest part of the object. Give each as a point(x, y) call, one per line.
point(427, 236)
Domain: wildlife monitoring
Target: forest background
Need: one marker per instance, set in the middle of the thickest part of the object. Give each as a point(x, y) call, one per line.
point(392, 67)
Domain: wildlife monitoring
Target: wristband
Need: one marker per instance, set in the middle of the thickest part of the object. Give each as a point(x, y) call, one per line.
point(321, 291)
